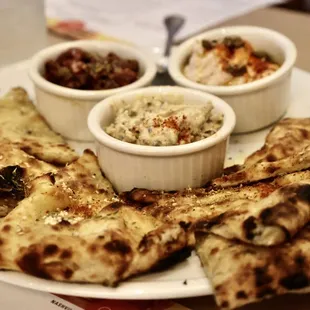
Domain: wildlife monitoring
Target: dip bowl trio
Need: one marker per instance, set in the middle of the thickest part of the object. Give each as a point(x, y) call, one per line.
point(231, 80)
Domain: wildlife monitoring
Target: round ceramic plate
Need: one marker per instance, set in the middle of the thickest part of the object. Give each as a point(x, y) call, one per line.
point(185, 279)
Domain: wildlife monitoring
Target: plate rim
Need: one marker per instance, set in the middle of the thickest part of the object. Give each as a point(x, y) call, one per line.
point(128, 290)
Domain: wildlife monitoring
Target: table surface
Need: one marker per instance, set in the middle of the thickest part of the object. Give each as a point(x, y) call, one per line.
point(296, 26)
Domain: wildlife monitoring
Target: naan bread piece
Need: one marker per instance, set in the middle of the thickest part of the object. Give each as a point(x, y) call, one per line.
point(265, 170)
point(287, 137)
point(241, 273)
point(21, 123)
point(270, 221)
point(191, 205)
point(73, 228)
point(17, 169)
point(264, 213)
point(11, 155)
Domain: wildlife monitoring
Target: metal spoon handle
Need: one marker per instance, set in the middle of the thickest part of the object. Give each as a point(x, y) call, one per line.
point(173, 24)
point(169, 43)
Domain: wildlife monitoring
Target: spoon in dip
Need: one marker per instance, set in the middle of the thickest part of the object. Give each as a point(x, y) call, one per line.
point(173, 24)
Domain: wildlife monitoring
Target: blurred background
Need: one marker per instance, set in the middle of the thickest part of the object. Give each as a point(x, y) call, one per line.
point(297, 5)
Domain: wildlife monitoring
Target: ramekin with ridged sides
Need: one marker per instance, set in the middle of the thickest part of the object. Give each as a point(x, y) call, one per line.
point(256, 104)
point(66, 109)
point(168, 168)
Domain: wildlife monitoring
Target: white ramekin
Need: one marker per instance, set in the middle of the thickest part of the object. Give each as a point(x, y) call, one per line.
point(256, 104)
point(66, 109)
point(130, 166)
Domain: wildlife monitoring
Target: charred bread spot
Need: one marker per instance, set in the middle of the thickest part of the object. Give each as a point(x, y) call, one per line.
point(224, 304)
point(232, 169)
point(185, 225)
point(271, 215)
point(241, 295)
point(56, 227)
point(80, 210)
point(118, 246)
point(89, 152)
point(52, 177)
point(63, 223)
point(114, 205)
point(261, 276)
point(304, 133)
point(102, 191)
point(214, 251)
point(143, 196)
point(92, 248)
point(159, 212)
point(300, 261)
point(218, 288)
point(1, 242)
point(145, 244)
point(54, 161)
point(50, 249)
point(271, 158)
point(11, 180)
point(66, 254)
point(27, 149)
point(6, 228)
point(303, 192)
point(267, 291)
point(81, 175)
point(31, 263)
point(272, 169)
point(238, 176)
point(292, 200)
point(295, 281)
point(249, 226)
point(67, 273)
point(205, 225)
point(172, 259)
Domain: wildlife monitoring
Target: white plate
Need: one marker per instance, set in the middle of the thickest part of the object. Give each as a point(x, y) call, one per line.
point(185, 279)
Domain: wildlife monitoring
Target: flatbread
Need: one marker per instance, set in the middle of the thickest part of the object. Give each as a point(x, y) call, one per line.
point(192, 204)
point(265, 170)
point(241, 273)
point(20, 123)
point(17, 170)
point(72, 227)
point(288, 137)
point(264, 213)
point(268, 222)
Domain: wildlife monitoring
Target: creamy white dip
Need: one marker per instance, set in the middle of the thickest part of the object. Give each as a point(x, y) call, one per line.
point(219, 64)
point(159, 121)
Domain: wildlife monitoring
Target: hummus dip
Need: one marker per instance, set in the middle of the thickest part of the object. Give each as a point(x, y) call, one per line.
point(231, 61)
point(159, 121)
